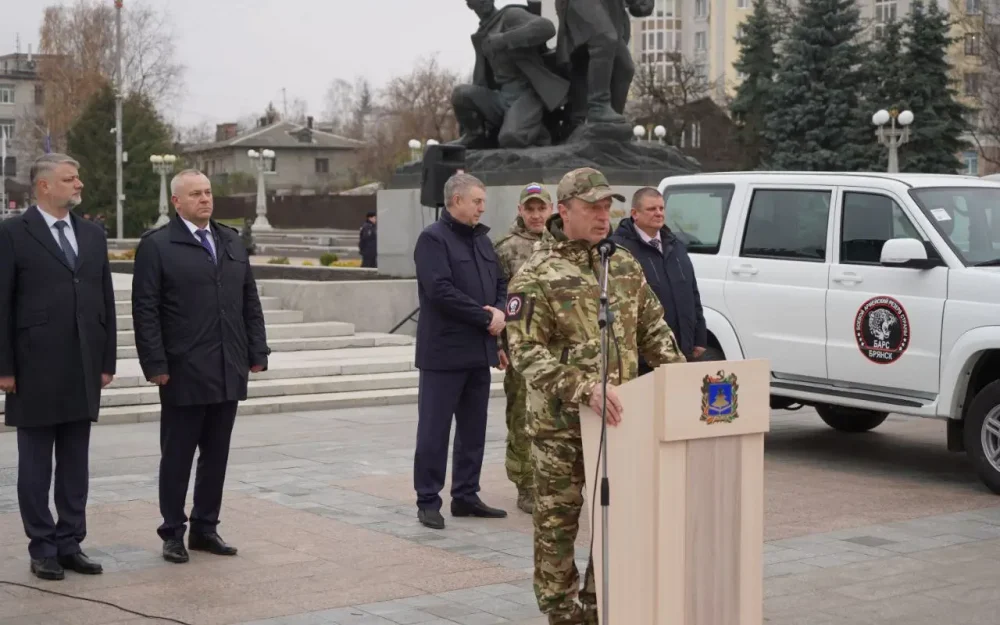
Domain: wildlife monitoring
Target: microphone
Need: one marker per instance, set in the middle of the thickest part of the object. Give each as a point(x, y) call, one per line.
point(606, 248)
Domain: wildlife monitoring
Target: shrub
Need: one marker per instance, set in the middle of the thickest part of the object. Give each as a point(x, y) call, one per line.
point(328, 259)
point(282, 260)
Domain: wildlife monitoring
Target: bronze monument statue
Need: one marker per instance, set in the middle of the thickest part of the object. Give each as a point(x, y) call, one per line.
point(593, 46)
point(514, 84)
point(525, 95)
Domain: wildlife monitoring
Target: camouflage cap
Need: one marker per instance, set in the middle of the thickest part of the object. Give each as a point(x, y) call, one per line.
point(535, 190)
point(588, 184)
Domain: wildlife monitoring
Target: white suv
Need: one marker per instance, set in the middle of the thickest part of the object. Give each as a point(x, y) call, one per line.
point(868, 293)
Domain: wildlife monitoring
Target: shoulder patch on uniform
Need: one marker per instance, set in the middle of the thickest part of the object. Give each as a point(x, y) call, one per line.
point(515, 306)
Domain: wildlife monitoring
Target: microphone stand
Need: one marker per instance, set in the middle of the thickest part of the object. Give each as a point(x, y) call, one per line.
point(604, 318)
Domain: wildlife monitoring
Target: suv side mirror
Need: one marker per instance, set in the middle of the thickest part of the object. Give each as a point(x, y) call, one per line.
point(906, 253)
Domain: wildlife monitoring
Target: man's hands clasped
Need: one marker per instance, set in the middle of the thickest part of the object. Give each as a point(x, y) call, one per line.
point(499, 321)
point(8, 385)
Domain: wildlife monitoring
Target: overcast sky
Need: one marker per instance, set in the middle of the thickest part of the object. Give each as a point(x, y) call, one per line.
point(240, 54)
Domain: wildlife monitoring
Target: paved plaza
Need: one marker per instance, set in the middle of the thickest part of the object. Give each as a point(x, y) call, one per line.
point(885, 528)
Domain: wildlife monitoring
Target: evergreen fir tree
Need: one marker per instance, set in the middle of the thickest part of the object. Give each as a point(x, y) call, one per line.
point(815, 121)
point(939, 118)
point(90, 143)
point(886, 75)
point(757, 63)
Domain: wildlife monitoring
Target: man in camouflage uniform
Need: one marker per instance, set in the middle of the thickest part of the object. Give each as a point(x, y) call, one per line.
point(534, 208)
point(552, 308)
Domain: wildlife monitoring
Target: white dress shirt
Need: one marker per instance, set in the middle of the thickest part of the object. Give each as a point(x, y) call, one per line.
point(50, 221)
point(194, 232)
point(648, 239)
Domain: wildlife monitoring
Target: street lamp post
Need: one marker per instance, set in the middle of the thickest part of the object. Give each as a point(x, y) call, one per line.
point(660, 132)
point(163, 164)
point(894, 136)
point(262, 163)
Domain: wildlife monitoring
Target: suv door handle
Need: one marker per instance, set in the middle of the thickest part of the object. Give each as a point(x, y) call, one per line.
point(749, 270)
point(848, 278)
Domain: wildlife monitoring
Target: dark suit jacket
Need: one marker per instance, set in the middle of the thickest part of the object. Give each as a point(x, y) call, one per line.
point(458, 273)
point(671, 276)
point(196, 321)
point(57, 323)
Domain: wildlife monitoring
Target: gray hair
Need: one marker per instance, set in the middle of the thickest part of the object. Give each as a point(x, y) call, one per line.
point(176, 180)
point(459, 184)
point(47, 163)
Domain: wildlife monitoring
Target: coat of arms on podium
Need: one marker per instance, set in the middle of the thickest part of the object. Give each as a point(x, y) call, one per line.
point(719, 399)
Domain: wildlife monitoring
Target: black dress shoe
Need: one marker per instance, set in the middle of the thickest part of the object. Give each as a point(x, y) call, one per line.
point(211, 543)
point(431, 519)
point(80, 563)
point(475, 508)
point(47, 568)
point(174, 551)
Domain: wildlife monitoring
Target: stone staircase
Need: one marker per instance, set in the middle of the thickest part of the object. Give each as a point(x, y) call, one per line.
point(313, 366)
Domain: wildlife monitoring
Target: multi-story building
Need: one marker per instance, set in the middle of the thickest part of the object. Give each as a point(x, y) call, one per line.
point(21, 99)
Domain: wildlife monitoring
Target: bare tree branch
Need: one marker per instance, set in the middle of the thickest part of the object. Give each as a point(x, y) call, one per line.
point(663, 94)
point(78, 57)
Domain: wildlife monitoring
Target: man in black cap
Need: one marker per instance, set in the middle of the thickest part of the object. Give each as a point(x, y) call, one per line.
point(368, 241)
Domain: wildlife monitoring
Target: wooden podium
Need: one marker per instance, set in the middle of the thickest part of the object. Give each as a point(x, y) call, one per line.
point(686, 513)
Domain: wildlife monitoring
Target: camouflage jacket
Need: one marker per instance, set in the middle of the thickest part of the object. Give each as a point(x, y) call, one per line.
point(515, 247)
point(552, 309)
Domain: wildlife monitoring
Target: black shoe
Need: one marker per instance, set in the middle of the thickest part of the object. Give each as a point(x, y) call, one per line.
point(174, 551)
point(475, 508)
point(431, 518)
point(80, 563)
point(211, 543)
point(47, 568)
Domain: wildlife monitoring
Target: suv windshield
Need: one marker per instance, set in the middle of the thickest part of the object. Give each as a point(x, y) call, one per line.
point(968, 217)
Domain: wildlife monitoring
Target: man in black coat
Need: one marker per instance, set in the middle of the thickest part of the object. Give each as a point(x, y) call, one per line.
point(668, 270)
point(199, 332)
point(462, 294)
point(368, 241)
point(57, 351)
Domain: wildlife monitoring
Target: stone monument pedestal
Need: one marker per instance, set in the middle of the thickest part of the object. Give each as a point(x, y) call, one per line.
point(627, 165)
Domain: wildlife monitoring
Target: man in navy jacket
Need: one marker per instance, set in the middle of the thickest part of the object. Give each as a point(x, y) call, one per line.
point(668, 271)
point(462, 293)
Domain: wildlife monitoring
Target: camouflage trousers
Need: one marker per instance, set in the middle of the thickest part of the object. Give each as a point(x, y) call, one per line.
point(518, 461)
point(559, 481)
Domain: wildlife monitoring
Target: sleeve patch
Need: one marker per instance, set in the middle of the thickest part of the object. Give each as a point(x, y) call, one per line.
point(515, 306)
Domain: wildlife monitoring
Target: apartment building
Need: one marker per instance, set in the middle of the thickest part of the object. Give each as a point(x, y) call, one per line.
point(21, 99)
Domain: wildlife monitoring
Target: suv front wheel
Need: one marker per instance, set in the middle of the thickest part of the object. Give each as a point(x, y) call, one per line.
point(847, 419)
point(982, 434)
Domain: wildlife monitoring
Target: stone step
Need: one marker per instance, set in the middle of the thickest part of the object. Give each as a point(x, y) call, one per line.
point(288, 403)
point(278, 331)
point(278, 388)
point(360, 339)
point(380, 360)
point(124, 306)
point(270, 317)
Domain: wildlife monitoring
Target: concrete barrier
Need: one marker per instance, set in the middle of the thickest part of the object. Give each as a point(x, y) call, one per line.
point(371, 305)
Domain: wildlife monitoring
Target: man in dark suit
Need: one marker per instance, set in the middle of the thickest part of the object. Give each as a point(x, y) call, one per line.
point(462, 294)
point(57, 351)
point(199, 332)
point(669, 272)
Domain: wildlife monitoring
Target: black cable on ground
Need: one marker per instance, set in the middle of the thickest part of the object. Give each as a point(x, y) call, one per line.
point(107, 603)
